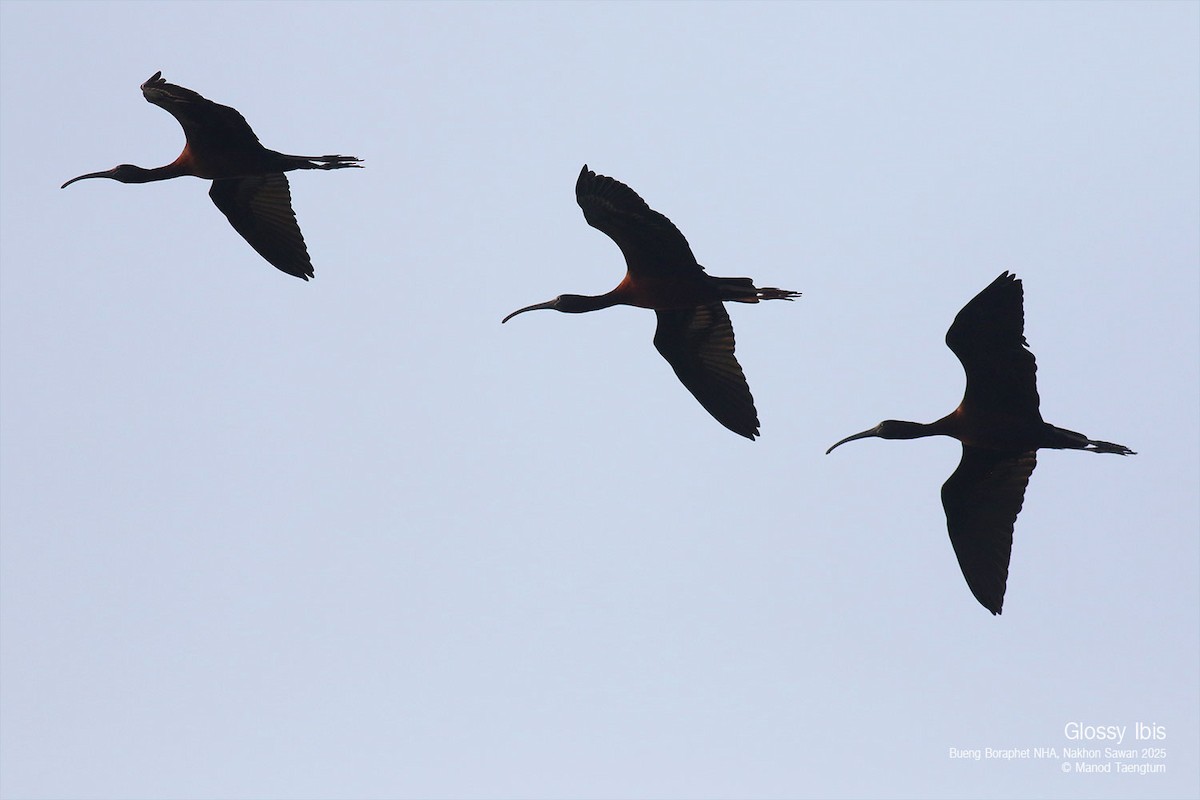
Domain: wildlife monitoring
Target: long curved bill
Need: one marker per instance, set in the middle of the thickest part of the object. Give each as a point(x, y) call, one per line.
point(864, 435)
point(106, 173)
point(534, 307)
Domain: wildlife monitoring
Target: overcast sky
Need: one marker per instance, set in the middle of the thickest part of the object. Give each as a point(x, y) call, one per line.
point(352, 538)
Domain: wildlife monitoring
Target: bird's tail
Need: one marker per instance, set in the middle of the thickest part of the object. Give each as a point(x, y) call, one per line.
point(1077, 441)
point(743, 290)
point(323, 162)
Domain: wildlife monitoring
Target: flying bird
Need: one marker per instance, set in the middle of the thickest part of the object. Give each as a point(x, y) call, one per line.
point(249, 185)
point(694, 334)
point(1001, 430)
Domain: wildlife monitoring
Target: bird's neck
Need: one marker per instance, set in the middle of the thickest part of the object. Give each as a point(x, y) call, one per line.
point(142, 175)
point(582, 303)
point(946, 426)
point(949, 425)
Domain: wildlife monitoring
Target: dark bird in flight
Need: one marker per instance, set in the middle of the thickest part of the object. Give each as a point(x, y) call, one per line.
point(249, 185)
point(694, 333)
point(1001, 430)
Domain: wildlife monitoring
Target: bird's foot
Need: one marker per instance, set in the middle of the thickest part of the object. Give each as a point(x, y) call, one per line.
point(338, 162)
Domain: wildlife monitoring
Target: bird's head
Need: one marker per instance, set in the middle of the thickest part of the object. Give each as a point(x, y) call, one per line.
point(888, 429)
point(125, 173)
point(566, 303)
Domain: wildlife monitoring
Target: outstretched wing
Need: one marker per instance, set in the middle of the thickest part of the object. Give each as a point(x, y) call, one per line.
point(982, 500)
point(208, 126)
point(698, 344)
point(259, 207)
point(988, 338)
point(652, 245)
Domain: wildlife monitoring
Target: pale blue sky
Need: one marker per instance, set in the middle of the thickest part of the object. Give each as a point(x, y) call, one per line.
point(354, 539)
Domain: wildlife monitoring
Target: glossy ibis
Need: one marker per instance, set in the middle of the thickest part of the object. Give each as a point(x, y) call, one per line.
point(1001, 430)
point(694, 334)
point(249, 185)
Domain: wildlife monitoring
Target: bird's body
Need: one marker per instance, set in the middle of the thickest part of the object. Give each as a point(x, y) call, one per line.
point(1001, 429)
point(694, 333)
point(249, 185)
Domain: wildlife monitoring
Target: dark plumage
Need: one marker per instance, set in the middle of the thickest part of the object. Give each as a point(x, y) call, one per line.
point(694, 332)
point(1001, 429)
point(249, 185)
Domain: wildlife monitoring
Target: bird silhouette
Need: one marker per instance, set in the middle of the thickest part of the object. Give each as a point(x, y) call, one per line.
point(248, 181)
point(1001, 429)
point(694, 333)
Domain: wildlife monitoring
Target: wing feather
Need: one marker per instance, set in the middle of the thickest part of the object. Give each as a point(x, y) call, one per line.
point(982, 499)
point(259, 207)
point(208, 126)
point(651, 244)
point(698, 344)
point(988, 336)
